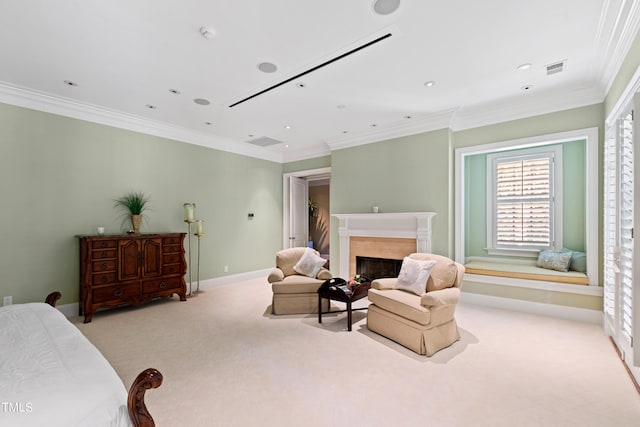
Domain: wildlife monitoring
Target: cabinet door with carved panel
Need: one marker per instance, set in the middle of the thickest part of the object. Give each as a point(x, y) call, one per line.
point(129, 258)
point(151, 257)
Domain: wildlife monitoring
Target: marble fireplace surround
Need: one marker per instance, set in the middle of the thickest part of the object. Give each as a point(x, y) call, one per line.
point(383, 235)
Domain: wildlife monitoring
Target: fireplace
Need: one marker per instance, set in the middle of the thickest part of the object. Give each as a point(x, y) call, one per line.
point(381, 235)
point(376, 268)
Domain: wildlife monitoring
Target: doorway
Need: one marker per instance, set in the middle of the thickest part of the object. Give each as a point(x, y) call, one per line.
point(306, 210)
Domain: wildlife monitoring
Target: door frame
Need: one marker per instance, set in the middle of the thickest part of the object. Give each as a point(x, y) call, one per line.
point(286, 203)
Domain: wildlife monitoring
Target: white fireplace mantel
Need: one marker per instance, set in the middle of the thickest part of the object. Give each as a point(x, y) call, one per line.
point(412, 225)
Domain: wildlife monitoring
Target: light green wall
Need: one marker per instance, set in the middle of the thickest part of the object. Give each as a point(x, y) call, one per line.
point(308, 164)
point(627, 69)
point(400, 175)
point(59, 176)
point(573, 199)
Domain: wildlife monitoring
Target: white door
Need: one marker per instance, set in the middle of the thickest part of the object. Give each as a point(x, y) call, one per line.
point(299, 212)
point(620, 303)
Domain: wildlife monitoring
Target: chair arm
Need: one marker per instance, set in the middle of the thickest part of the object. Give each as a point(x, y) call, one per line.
point(276, 275)
point(324, 274)
point(385, 283)
point(440, 297)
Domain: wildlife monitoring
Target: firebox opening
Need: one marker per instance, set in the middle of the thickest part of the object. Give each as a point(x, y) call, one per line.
point(377, 268)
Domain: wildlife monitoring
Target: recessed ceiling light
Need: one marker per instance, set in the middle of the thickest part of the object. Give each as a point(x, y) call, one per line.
point(207, 32)
point(151, 107)
point(527, 87)
point(430, 83)
point(208, 123)
point(70, 83)
point(286, 145)
point(345, 131)
point(373, 125)
point(174, 91)
point(408, 117)
point(301, 85)
point(267, 67)
point(250, 135)
point(524, 66)
point(385, 7)
point(202, 101)
point(287, 127)
point(341, 106)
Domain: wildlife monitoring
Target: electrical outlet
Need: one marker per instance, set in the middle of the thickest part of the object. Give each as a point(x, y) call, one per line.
point(7, 300)
point(226, 268)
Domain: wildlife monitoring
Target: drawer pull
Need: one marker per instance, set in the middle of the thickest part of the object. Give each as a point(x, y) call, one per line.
point(103, 265)
point(104, 254)
point(104, 279)
point(117, 292)
point(163, 285)
point(104, 244)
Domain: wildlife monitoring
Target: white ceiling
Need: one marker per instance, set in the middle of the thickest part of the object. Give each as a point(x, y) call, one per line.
point(127, 54)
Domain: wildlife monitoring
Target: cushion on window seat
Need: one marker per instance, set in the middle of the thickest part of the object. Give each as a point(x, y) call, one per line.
point(524, 271)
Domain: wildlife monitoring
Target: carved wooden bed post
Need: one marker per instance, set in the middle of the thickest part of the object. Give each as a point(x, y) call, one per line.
point(53, 298)
point(149, 378)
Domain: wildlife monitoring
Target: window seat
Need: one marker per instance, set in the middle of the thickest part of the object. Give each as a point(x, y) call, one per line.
point(525, 271)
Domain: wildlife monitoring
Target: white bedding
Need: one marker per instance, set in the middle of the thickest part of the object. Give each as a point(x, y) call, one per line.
point(51, 375)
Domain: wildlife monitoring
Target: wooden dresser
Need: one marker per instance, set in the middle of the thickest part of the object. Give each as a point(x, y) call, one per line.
point(130, 269)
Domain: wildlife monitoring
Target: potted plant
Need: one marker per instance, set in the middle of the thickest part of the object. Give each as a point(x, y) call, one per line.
point(134, 203)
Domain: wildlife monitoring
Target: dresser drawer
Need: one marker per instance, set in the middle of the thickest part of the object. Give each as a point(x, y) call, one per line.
point(171, 269)
point(172, 249)
point(172, 258)
point(158, 285)
point(103, 278)
point(171, 241)
point(103, 244)
point(115, 292)
point(104, 254)
point(106, 265)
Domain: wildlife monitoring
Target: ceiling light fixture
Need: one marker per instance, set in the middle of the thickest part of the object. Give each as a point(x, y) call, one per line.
point(301, 85)
point(408, 117)
point(207, 32)
point(430, 83)
point(202, 101)
point(527, 87)
point(208, 123)
point(70, 83)
point(174, 91)
point(267, 67)
point(524, 66)
point(385, 7)
point(151, 107)
point(341, 106)
point(287, 127)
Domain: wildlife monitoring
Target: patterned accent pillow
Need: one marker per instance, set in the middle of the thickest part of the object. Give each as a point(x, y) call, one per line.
point(551, 260)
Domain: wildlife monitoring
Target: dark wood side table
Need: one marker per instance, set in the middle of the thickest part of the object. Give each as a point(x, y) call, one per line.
point(337, 289)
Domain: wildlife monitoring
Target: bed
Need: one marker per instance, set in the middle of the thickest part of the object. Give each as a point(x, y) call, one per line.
point(50, 374)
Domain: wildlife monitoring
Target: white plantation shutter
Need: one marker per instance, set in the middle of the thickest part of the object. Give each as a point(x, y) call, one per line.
point(611, 253)
point(626, 224)
point(523, 202)
point(521, 199)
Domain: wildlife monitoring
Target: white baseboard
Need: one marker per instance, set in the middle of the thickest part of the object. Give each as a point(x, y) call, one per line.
point(231, 279)
point(553, 310)
point(69, 310)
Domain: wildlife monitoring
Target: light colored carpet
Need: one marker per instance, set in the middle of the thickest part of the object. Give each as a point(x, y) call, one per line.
point(227, 361)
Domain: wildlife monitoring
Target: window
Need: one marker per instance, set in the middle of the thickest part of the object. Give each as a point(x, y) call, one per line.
point(523, 207)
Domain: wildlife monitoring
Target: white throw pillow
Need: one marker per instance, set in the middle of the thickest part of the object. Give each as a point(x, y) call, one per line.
point(309, 263)
point(414, 275)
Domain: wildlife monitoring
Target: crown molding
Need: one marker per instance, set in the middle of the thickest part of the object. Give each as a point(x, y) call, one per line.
point(617, 30)
point(428, 123)
point(521, 107)
point(308, 152)
point(41, 101)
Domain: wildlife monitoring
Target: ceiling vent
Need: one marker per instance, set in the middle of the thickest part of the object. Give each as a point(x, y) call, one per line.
point(555, 68)
point(264, 141)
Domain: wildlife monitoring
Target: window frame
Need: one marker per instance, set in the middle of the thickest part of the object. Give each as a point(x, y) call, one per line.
point(554, 153)
point(593, 214)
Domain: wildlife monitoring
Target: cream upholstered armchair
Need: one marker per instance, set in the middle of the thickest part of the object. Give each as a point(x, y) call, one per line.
point(295, 281)
point(419, 317)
